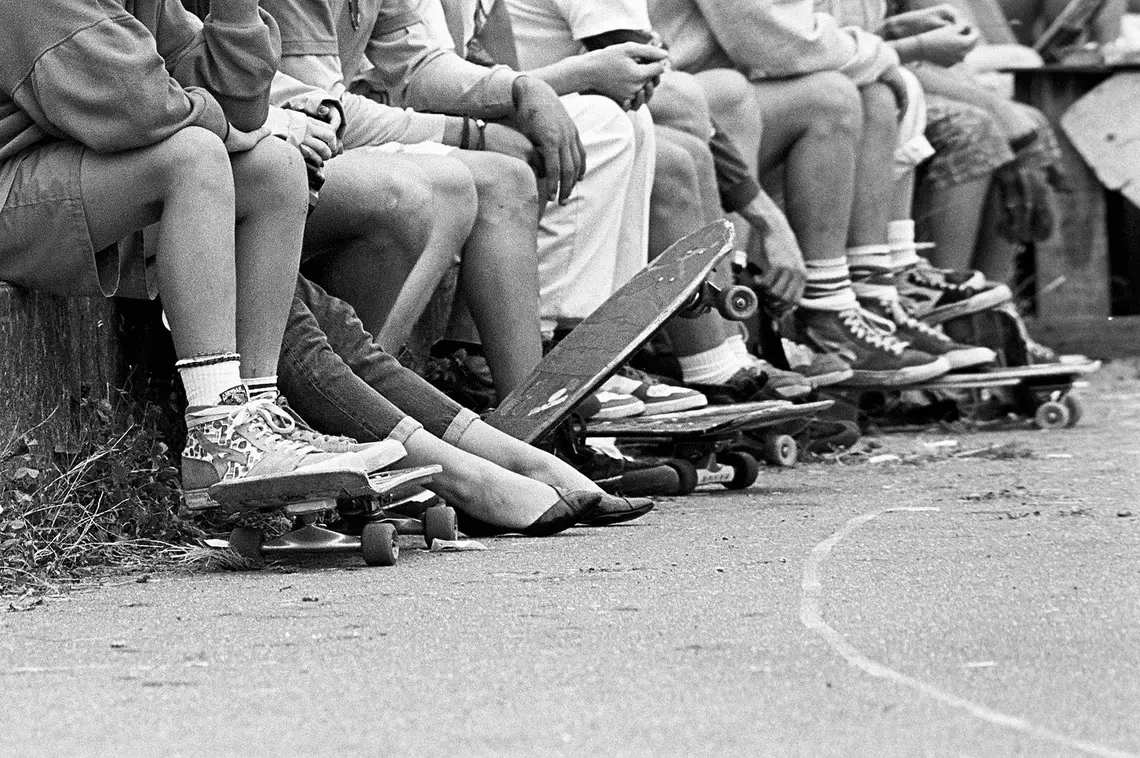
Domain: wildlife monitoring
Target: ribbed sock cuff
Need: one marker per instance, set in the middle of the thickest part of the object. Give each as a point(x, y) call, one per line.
point(900, 239)
point(867, 261)
point(210, 378)
point(262, 387)
point(828, 286)
point(715, 366)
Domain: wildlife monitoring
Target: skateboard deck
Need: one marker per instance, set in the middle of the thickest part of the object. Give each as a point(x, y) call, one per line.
point(1066, 30)
point(1104, 126)
point(711, 421)
point(1010, 376)
point(322, 489)
point(601, 343)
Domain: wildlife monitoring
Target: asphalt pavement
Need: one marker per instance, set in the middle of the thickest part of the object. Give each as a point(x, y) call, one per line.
point(951, 602)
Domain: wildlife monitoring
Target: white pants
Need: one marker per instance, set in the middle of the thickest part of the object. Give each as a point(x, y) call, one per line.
point(595, 243)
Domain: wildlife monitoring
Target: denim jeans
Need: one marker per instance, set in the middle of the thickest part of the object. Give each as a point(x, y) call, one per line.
point(340, 381)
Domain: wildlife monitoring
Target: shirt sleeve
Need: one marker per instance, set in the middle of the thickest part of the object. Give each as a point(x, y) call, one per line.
point(100, 80)
point(589, 19)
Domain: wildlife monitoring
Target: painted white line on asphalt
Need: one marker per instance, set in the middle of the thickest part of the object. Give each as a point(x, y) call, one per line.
point(812, 618)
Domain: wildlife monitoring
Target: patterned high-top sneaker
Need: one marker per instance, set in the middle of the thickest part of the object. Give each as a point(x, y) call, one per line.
point(232, 440)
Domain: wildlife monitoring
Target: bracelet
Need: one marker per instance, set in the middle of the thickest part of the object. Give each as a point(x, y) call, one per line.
point(465, 137)
point(481, 125)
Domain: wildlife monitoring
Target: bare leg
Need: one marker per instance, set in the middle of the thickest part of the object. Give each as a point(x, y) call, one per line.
point(184, 182)
point(489, 443)
point(812, 125)
point(950, 216)
point(387, 229)
point(499, 277)
point(874, 167)
point(271, 201)
point(996, 257)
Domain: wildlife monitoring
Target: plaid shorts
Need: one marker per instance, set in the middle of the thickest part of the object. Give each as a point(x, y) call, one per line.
point(967, 142)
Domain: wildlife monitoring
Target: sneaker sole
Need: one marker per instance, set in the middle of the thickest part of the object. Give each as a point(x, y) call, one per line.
point(673, 406)
point(830, 378)
point(609, 414)
point(982, 301)
point(969, 356)
point(899, 377)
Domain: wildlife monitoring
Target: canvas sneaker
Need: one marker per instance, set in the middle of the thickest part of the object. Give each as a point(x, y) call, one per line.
point(605, 405)
point(935, 295)
point(928, 339)
point(820, 369)
point(868, 345)
point(232, 441)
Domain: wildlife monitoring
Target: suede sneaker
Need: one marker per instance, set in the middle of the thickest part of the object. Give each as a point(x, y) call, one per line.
point(935, 295)
point(928, 339)
point(605, 405)
point(820, 369)
point(786, 384)
point(867, 344)
point(236, 441)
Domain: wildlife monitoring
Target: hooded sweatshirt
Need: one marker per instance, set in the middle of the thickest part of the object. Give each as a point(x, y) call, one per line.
point(123, 74)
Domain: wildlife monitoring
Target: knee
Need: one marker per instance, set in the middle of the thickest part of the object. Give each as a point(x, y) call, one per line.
point(276, 170)
point(505, 184)
point(194, 156)
point(680, 102)
point(835, 104)
point(676, 178)
point(606, 130)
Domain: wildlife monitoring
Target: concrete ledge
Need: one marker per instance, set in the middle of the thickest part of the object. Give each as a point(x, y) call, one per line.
point(53, 352)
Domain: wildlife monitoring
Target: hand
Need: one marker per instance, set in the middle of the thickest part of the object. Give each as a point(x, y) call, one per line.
point(320, 141)
point(508, 141)
point(621, 72)
point(238, 141)
point(560, 157)
point(916, 22)
point(893, 78)
point(784, 273)
point(948, 45)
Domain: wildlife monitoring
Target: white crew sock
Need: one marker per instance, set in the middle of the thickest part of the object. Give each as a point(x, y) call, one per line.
point(715, 366)
point(900, 239)
point(212, 379)
point(828, 286)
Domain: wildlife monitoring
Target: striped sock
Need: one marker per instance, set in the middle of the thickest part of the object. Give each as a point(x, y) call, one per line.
point(262, 387)
point(828, 286)
point(714, 366)
point(213, 379)
point(900, 239)
point(871, 272)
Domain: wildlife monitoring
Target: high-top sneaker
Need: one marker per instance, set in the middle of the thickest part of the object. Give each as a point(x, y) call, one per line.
point(935, 295)
point(225, 442)
point(868, 345)
point(820, 369)
point(928, 339)
point(376, 455)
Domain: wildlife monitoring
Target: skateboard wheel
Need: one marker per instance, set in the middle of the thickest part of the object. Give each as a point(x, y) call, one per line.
point(687, 478)
point(1052, 415)
point(737, 303)
point(440, 524)
point(781, 450)
point(746, 469)
point(1076, 408)
point(246, 543)
point(379, 545)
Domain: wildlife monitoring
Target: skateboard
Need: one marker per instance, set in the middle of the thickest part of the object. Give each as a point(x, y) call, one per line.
point(368, 513)
point(676, 282)
point(720, 444)
point(1043, 392)
point(1103, 127)
point(1067, 29)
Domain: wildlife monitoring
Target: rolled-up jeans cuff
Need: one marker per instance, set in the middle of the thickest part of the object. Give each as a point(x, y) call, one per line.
point(404, 429)
point(459, 426)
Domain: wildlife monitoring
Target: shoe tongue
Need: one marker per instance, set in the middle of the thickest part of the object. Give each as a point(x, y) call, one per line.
point(238, 395)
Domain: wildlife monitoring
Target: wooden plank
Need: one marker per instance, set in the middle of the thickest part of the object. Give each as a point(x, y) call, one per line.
point(55, 352)
point(1072, 266)
point(1102, 338)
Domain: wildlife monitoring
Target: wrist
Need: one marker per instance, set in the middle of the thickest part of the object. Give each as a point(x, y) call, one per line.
point(452, 131)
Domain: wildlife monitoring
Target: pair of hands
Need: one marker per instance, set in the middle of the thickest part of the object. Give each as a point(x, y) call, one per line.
point(940, 34)
point(627, 73)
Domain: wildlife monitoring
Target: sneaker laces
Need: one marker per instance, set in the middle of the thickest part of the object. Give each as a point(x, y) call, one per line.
point(902, 316)
point(265, 413)
point(874, 330)
point(936, 278)
point(302, 431)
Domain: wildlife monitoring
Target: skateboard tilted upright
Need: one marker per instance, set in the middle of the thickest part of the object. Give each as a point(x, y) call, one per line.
point(675, 282)
point(334, 511)
point(719, 444)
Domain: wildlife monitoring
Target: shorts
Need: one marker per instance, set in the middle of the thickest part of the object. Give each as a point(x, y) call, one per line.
point(967, 141)
point(45, 243)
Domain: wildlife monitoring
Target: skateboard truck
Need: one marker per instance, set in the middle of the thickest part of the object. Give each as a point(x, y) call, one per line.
point(735, 302)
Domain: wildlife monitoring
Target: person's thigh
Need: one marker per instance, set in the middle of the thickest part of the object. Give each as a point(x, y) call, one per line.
point(827, 102)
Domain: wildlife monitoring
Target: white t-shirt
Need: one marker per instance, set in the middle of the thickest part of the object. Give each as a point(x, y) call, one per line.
point(547, 31)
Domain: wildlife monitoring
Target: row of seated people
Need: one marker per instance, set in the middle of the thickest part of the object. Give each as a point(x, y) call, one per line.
point(138, 156)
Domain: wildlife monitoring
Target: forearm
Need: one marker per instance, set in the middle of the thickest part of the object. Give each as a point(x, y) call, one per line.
point(574, 74)
point(937, 80)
